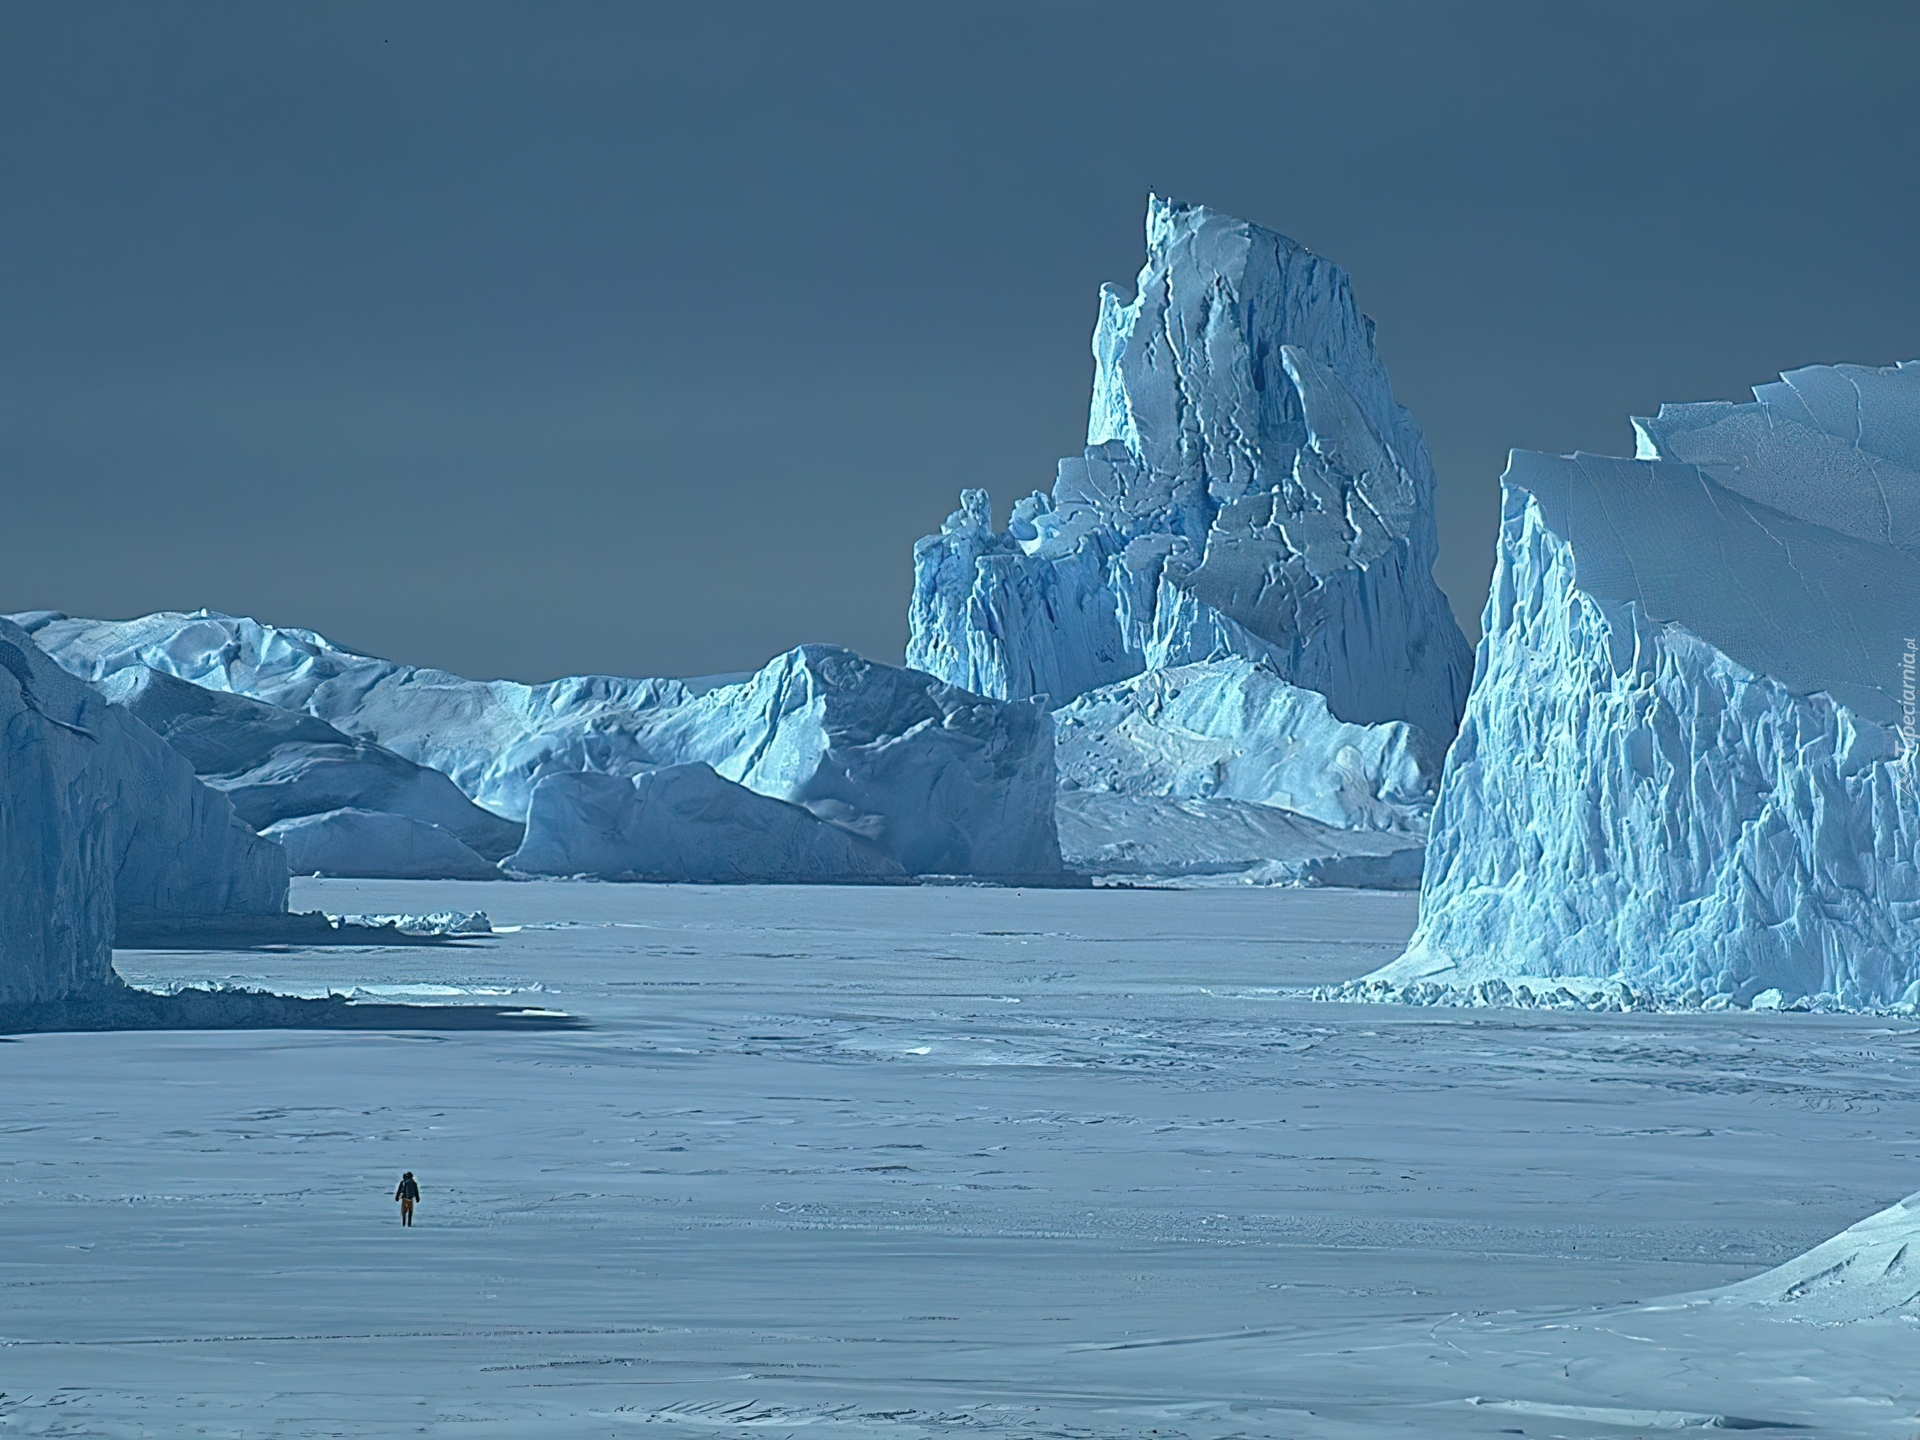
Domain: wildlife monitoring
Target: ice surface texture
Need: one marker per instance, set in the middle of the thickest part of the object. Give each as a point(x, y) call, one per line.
point(684, 823)
point(940, 779)
point(376, 845)
point(1233, 730)
point(1249, 488)
point(1681, 765)
point(279, 765)
point(99, 821)
point(1164, 838)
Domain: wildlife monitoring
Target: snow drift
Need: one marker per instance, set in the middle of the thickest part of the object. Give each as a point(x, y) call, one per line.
point(1686, 763)
point(941, 780)
point(684, 823)
point(1249, 488)
point(100, 822)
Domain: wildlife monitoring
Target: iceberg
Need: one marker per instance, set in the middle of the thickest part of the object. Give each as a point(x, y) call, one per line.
point(376, 845)
point(942, 780)
point(493, 739)
point(1232, 729)
point(1169, 839)
point(1688, 762)
point(684, 823)
point(1249, 488)
point(102, 823)
point(280, 765)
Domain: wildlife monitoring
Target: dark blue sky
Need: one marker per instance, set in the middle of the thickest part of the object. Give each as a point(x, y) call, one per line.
point(529, 340)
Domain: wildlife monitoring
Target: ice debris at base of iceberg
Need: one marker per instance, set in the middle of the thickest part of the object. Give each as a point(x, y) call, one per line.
point(374, 845)
point(1144, 839)
point(1579, 992)
point(101, 821)
point(1249, 488)
point(279, 765)
point(942, 780)
point(440, 922)
point(1687, 762)
point(1234, 730)
point(684, 823)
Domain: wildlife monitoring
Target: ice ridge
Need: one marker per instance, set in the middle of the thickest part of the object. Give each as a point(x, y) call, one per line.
point(278, 766)
point(940, 779)
point(685, 823)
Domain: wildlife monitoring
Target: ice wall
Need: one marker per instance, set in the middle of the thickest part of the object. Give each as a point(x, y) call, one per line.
point(56, 840)
point(1233, 730)
point(1168, 839)
point(940, 779)
point(376, 845)
point(101, 821)
point(1249, 488)
point(684, 823)
point(1683, 764)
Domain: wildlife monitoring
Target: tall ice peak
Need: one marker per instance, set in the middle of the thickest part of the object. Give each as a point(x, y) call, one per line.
point(1249, 487)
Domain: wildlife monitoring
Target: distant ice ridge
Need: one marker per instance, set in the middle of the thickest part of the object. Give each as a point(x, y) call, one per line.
point(1249, 488)
point(1687, 764)
point(297, 779)
point(940, 780)
point(685, 823)
point(376, 845)
point(1234, 730)
point(1160, 839)
point(100, 821)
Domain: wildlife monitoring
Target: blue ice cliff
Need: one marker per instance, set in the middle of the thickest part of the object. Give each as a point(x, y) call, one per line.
point(938, 780)
point(1688, 762)
point(1253, 514)
point(101, 823)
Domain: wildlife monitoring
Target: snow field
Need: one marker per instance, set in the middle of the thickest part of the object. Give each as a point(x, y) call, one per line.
point(874, 1162)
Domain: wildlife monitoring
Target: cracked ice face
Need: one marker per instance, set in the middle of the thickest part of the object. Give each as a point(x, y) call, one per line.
point(1249, 487)
point(1807, 605)
point(1838, 445)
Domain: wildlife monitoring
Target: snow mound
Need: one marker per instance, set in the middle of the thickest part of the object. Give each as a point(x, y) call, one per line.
point(1867, 1270)
point(1685, 762)
point(942, 780)
point(1249, 488)
point(277, 765)
point(375, 845)
point(684, 823)
point(101, 821)
point(1163, 837)
point(1232, 729)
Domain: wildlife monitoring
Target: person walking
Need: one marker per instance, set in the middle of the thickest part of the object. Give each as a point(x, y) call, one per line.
point(408, 1192)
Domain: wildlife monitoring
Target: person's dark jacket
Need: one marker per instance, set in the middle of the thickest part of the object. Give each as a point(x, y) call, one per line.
point(409, 1189)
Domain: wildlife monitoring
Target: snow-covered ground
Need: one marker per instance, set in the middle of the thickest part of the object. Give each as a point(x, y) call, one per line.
point(897, 1162)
